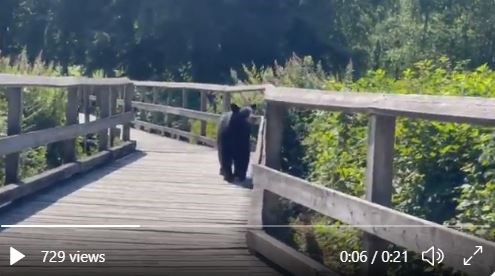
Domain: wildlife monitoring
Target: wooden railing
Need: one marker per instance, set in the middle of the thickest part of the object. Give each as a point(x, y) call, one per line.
point(372, 215)
point(202, 115)
point(78, 93)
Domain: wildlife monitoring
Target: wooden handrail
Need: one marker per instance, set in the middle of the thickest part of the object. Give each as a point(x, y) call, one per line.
point(11, 80)
point(260, 143)
point(471, 110)
point(173, 131)
point(19, 142)
point(192, 114)
point(106, 91)
point(383, 110)
point(201, 86)
point(410, 232)
point(202, 115)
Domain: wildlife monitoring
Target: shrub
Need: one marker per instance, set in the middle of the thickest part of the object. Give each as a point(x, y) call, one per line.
point(444, 172)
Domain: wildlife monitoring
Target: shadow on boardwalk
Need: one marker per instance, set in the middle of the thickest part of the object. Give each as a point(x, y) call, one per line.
point(64, 188)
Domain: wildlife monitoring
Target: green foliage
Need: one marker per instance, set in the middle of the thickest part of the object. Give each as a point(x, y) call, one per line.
point(326, 240)
point(393, 35)
point(444, 172)
point(42, 108)
point(158, 39)
point(300, 72)
point(335, 147)
point(442, 169)
point(150, 39)
point(476, 206)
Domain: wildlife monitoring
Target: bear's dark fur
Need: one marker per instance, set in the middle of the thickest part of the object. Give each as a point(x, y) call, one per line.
point(233, 142)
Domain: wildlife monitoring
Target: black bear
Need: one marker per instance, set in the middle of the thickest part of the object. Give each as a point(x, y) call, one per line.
point(233, 142)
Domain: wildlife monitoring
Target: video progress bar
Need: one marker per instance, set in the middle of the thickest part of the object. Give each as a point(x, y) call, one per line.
point(231, 226)
point(70, 226)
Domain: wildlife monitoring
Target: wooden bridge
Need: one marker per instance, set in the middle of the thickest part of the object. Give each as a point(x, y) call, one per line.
point(149, 199)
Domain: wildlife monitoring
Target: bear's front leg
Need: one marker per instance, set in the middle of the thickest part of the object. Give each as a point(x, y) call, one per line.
point(241, 164)
point(226, 168)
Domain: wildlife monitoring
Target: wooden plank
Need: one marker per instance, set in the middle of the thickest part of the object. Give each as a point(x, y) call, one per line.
point(201, 86)
point(379, 175)
point(457, 109)
point(128, 95)
point(114, 153)
point(173, 131)
point(226, 102)
point(190, 218)
point(255, 219)
point(86, 110)
point(114, 131)
point(260, 158)
point(167, 118)
point(413, 233)
point(275, 119)
point(34, 184)
point(104, 103)
point(284, 256)
point(154, 116)
point(203, 108)
point(379, 167)
point(17, 143)
point(193, 114)
point(12, 80)
point(271, 210)
point(155, 95)
point(72, 118)
point(185, 102)
point(14, 122)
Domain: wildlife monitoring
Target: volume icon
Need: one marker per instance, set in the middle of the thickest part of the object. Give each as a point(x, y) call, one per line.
point(433, 256)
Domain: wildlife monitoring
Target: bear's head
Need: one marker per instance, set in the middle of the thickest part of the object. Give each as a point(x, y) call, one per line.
point(243, 113)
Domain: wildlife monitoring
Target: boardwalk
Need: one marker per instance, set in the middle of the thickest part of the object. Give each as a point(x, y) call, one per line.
point(191, 221)
point(165, 206)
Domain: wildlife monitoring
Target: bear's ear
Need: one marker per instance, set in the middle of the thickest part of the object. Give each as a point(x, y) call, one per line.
point(234, 108)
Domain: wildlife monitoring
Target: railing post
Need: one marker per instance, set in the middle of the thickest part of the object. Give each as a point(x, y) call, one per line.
point(185, 102)
point(155, 95)
point(72, 118)
point(226, 101)
point(275, 117)
point(14, 119)
point(104, 101)
point(114, 131)
point(141, 96)
point(155, 116)
point(128, 94)
point(184, 121)
point(204, 108)
point(167, 118)
point(260, 144)
point(379, 175)
point(264, 210)
point(86, 91)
